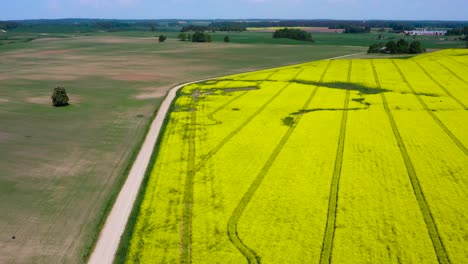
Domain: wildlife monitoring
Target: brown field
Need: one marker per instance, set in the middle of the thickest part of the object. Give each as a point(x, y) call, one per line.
point(59, 167)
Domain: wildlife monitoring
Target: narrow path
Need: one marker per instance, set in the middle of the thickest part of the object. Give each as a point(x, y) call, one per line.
point(426, 212)
point(109, 238)
point(327, 244)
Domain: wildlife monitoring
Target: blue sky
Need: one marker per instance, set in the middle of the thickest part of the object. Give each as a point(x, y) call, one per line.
point(211, 9)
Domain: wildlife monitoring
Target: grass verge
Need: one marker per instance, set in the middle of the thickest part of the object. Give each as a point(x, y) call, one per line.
point(89, 246)
point(124, 244)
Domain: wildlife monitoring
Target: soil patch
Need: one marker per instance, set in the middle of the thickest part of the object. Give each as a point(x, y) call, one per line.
point(45, 99)
point(39, 54)
point(135, 77)
point(4, 136)
point(152, 92)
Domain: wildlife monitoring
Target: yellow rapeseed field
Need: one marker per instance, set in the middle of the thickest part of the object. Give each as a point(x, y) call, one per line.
point(334, 161)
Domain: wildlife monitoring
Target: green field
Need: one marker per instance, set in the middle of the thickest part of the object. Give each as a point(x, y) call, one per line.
point(62, 167)
point(341, 161)
point(320, 38)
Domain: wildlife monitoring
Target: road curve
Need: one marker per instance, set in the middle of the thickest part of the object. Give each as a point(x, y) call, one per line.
point(109, 238)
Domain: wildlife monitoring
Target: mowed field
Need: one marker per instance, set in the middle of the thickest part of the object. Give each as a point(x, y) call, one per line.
point(342, 161)
point(61, 167)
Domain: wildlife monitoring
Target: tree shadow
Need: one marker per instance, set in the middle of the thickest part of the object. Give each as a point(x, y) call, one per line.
point(363, 89)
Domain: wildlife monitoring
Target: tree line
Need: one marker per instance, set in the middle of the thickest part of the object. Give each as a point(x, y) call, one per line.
point(195, 37)
point(213, 27)
point(400, 47)
point(458, 31)
point(292, 33)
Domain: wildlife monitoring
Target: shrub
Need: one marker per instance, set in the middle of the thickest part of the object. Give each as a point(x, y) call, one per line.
point(391, 47)
point(182, 36)
point(226, 39)
point(201, 37)
point(375, 48)
point(60, 97)
point(415, 47)
point(162, 38)
point(296, 34)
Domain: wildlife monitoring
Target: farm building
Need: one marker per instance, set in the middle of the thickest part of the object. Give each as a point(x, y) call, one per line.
point(425, 32)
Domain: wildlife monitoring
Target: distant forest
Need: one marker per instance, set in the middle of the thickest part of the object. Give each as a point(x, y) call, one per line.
point(91, 25)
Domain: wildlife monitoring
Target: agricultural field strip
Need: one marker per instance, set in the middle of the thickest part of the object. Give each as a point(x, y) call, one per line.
point(186, 224)
point(169, 129)
point(55, 182)
point(193, 169)
point(237, 213)
point(210, 115)
point(452, 72)
point(327, 244)
point(426, 108)
point(213, 151)
point(109, 237)
point(431, 226)
point(455, 60)
point(439, 84)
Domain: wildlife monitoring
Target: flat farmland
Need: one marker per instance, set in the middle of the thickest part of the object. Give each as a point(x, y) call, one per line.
point(60, 168)
point(333, 161)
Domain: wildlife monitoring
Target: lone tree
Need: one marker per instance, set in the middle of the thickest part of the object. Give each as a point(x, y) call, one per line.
point(183, 36)
point(226, 39)
point(60, 97)
point(162, 38)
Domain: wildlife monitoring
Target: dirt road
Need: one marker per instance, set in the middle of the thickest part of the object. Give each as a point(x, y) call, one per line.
point(109, 238)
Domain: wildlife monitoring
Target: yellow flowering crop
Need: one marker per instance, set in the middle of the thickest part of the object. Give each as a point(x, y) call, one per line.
point(334, 161)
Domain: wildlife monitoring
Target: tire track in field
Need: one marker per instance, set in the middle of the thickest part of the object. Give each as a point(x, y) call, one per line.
point(426, 108)
point(455, 60)
point(329, 234)
point(211, 114)
point(452, 72)
point(186, 225)
point(170, 129)
point(426, 212)
point(250, 254)
point(192, 169)
point(440, 85)
point(237, 130)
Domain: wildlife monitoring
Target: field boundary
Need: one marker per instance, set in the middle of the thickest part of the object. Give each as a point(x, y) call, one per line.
point(109, 239)
point(438, 84)
point(329, 233)
point(127, 226)
point(250, 254)
point(426, 212)
point(426, 108)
